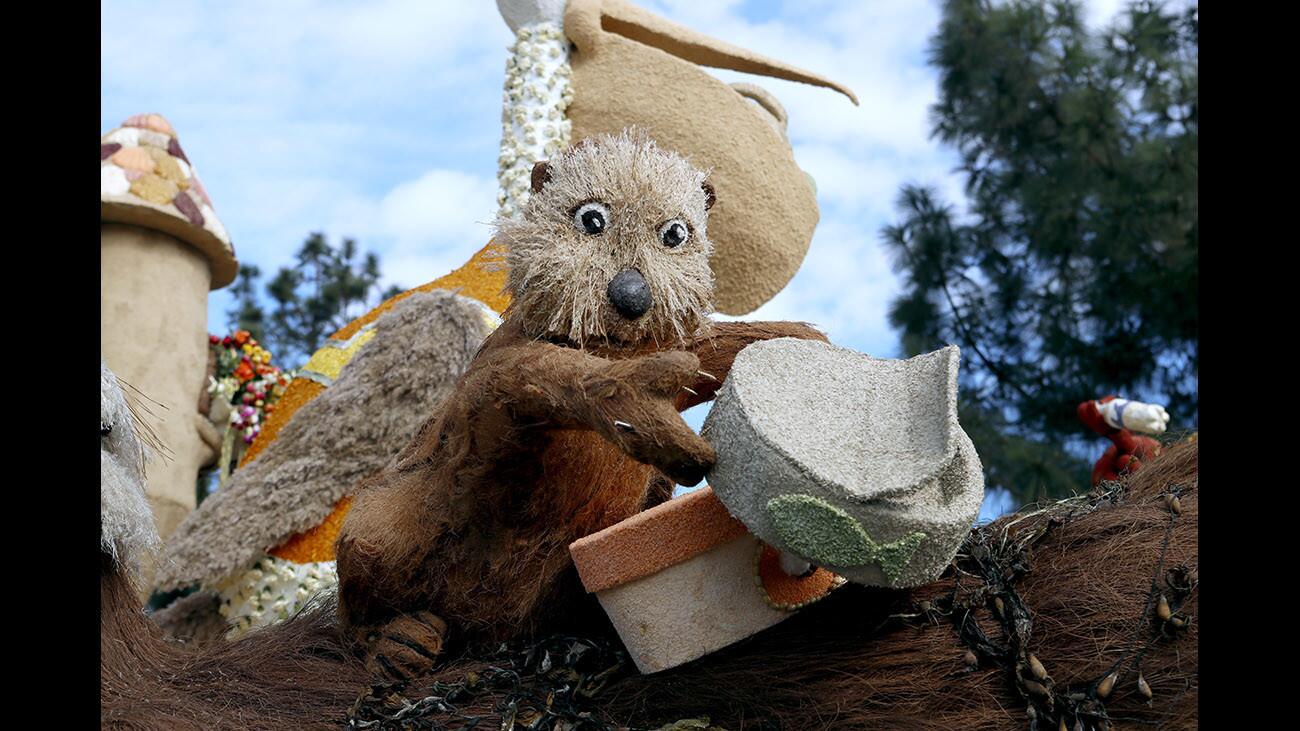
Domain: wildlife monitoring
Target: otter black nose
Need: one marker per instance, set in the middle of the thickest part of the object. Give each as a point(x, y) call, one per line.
point(630, 294)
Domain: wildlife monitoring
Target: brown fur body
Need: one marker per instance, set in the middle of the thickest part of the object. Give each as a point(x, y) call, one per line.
point(567, 420)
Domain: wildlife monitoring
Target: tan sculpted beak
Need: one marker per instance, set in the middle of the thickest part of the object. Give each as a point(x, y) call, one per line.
point(632, 68)
point(642, 26)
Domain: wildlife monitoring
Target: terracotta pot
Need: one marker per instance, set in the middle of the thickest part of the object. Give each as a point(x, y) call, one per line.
point(685, 579)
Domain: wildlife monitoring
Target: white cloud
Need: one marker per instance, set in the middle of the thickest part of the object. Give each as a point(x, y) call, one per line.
point(439, 203)
point(305, 116)
point(876, 49)
point(426, 226)
point(843, 287)
point(381, 120)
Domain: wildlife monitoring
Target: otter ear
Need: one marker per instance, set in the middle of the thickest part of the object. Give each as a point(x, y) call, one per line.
point(710, 195)
point(541, 175)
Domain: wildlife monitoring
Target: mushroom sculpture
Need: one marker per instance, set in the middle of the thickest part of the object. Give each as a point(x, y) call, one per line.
point(162, 248)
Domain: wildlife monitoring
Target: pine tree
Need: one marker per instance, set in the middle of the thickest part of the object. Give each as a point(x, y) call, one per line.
point(248, 314)
point(327, 288)
point(1074, 272)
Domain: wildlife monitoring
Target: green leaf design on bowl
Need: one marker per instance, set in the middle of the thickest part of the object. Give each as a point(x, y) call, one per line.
point(824, 534)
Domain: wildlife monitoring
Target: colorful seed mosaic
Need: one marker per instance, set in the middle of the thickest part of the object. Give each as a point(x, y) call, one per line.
point(142, 161)
point(316, 544)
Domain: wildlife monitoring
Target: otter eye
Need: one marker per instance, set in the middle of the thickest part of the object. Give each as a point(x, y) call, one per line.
point(591, 218)
point(674, 233)
point(105, 429)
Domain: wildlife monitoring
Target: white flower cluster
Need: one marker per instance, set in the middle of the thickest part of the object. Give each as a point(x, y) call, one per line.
point(224, 388)
point(533, 122)
point(271, 591)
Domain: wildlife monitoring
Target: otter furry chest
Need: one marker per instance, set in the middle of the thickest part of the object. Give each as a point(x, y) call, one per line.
point(555, 479)
point(588, 484)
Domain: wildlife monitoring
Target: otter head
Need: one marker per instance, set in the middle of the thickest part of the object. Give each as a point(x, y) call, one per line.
point(612, 248)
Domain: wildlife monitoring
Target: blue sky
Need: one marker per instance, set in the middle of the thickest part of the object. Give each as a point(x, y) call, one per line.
point(380, 121)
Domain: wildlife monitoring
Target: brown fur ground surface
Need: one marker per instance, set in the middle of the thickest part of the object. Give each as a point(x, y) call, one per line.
point(841, 664)
point(193, 618)
point(294, 675)
point(845, 664)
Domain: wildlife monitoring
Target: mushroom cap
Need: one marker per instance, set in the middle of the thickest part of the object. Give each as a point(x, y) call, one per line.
point(145, 179)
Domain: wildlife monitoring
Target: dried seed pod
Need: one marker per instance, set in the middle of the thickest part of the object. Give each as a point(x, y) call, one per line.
point(970, 658)
point(1162, 609)
point(1178, 621)
point(1143, 687)
point(1192, 576)
point(1035, 688)
point(1063, 727)
point(1107, 684)
point(1037, 668)
point(1175, 507)
point(998, 605)
point(925, 606)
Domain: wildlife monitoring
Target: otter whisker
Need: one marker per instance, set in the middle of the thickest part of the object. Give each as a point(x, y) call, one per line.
point(624, 426)
point(709, 376)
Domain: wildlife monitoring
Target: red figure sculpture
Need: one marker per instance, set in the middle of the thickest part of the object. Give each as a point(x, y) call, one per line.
point(1116, 419)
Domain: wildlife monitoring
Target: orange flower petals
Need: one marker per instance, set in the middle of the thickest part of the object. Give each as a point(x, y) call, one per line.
point(315, 544)
point(786, 592)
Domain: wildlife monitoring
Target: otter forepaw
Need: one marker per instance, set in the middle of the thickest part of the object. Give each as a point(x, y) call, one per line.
point(660, 375)
point(660, 437)
point(405, 648)
point(635, 407)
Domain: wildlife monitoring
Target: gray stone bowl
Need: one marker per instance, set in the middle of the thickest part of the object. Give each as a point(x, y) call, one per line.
point(850, 462)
